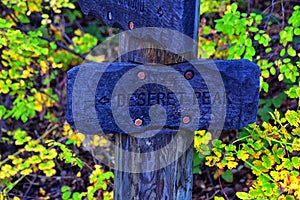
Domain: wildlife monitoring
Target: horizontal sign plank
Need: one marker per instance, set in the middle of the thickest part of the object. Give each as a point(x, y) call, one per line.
point(179, 15)
point(214, 95)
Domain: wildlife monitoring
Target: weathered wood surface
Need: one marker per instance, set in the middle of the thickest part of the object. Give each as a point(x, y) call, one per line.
point(128, 14)
point(154, 45)
point(174, 181)
point(240, 77)
point(162, 16)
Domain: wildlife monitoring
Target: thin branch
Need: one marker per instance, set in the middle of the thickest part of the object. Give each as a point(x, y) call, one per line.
point(11, 13)
point(282, 10)
point(20, 27)
point(61, 45)
point(248, 6)
point(30, 186)
point(224, 193)
point(269, 16)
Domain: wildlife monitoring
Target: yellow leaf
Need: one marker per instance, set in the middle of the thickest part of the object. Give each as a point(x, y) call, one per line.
point(38, 106)
point(26, 172)
point(108, 195)
point(35, 6)
point(55, 65)
point(42, 192)
point(98, 58)
point(71, 6)
point(67, 130)
point(50, 172)
point(44, 66)
point(218, 198)
point(221, 165)
point(78, 32)
point(232, 164)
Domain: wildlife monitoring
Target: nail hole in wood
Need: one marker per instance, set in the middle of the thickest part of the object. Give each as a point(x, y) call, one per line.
point(109, 15)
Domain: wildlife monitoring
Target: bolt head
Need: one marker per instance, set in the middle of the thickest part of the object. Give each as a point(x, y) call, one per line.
point(138, 122)
point(189, 75)
point(141, 75)
point(186, 119)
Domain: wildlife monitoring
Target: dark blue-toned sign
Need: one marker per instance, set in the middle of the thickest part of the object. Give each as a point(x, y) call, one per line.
point(238, 102)
point(129, 14)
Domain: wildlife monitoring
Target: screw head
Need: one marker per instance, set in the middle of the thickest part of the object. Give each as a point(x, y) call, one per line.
point(138, 122)
point(189, 74)
point(131, 25)
point(141, 75)
point(186, 119)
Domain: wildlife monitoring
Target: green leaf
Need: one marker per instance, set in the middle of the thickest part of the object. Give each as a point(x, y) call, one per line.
point(218, 198)
point(282, 52)
point(266, 162)
point(257, 37)
point(64, 188)
point(243, 195)
point(248, 42)
point(66, 195)
point(253, 29)
point(227, 176)
point(291, 52)
point(289, 197)
point(2, 110)
point(268, 50)
point(76, 196)
point(230, 147)
point(296, 162)
point(234, 7)
point(286, 60)
point(242, 155)
point(265, 74)
point(273, 71)
point(265, 86)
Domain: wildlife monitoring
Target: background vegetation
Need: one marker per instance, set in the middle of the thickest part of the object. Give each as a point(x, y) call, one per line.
point(41, 157)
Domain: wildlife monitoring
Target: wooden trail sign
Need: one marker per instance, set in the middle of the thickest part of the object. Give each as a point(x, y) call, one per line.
point(154, 109)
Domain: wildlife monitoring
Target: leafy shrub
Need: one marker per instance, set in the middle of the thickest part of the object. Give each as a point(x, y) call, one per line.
point(270, 149)
point(39, 42)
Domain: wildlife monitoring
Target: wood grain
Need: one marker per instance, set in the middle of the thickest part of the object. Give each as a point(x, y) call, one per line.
point(174, 181)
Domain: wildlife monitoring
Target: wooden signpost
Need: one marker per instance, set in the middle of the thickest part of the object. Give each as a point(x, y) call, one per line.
point(157, 163)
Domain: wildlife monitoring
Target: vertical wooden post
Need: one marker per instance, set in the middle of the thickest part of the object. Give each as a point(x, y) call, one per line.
point(171, 182)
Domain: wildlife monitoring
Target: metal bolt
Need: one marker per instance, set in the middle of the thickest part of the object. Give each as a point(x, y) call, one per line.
point(138, 122)
point(131, 25)
point(109, 15)
point(186, 119)
point(141, 75)
point(189, 75)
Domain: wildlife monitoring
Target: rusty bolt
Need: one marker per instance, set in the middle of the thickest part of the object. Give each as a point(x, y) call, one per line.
point(186, 119)
point(131, 25)
point(141, 75)
point(138, 122)
point(189, 74)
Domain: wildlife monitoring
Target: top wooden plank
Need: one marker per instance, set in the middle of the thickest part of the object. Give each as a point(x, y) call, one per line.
point(180, 15)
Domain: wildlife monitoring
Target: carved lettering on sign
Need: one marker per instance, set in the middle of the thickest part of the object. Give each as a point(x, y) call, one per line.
point(137, 5)
point(165, 99)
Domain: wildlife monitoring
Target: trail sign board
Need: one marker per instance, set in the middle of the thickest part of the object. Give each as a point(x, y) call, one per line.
point(241, 88)
point(128, 14)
